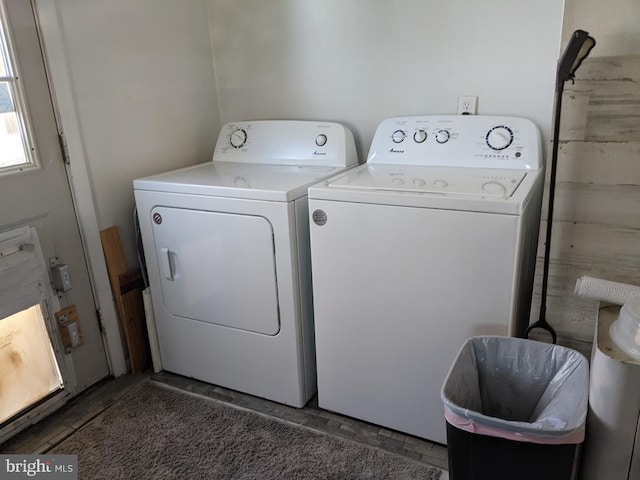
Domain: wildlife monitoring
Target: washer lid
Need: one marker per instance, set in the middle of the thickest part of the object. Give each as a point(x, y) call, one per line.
point(281, 183)
point(438, 180)
point(487, 190)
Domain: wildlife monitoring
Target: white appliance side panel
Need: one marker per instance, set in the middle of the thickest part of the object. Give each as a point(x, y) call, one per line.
point(397, 291)
point(306, 295)
point(217, 268)
point(524, 271)
point(262, 365)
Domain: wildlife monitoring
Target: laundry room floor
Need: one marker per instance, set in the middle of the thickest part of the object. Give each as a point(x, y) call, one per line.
point(51, 431)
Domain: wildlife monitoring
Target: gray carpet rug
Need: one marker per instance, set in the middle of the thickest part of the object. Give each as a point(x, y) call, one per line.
point(156, 432)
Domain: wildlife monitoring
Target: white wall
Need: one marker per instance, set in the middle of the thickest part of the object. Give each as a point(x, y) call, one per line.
point(360, 61)
point(614, 25)
point(142, 79)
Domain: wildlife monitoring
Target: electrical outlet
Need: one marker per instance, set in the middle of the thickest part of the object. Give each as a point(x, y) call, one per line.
point(74, 334)
point(467, 104)
point(70, 329)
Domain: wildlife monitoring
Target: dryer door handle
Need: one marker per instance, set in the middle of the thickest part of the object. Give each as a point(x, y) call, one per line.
point(165, 263)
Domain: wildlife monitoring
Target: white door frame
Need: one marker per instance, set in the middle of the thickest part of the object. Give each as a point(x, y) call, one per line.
point(62, 89)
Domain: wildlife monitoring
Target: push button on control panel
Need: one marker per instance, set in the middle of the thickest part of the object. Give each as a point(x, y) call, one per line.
point(321, 140)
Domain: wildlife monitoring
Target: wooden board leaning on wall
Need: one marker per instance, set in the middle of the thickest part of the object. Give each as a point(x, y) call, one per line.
point(127, 287)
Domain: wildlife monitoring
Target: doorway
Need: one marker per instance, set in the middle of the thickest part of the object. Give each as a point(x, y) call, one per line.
point(35, 195)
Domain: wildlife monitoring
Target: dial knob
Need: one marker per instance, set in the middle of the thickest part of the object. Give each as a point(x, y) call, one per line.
point(238, 138)
point(420, 136)
point(321, 140)
point(397, 181)
point(419, 182)
point(500, 137)
point(398, 136)
point(442, 136)
point(440, 183)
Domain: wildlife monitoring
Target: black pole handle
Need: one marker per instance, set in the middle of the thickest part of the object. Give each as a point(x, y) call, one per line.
point(542, 321)
point(571, 59)
point(544, 325)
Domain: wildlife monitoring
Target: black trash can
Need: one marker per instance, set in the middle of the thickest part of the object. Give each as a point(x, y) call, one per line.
point(515, 410)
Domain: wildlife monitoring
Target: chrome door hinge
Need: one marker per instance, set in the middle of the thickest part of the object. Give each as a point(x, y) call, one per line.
point(63, 148)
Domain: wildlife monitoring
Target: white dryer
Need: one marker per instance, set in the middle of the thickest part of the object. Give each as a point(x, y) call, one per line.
point(430, 242)
point(227, 251)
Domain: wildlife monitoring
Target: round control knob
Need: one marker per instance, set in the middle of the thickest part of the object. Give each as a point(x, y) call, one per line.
point(418, 182)
point(420, 136)
point(238, 138)
point(494, 188)
point(397, 181)
point(500, 137)
point(440, 183)
point(398, 136)
point(442, 136)
point(321, 140)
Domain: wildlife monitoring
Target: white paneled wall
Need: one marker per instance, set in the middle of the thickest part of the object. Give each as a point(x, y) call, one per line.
point(614, 24)
point(596, 222)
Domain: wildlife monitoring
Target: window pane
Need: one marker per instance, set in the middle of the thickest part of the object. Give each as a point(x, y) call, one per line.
point(11, 146)
point(3, 60)
point(6, 102)
point(16, 150)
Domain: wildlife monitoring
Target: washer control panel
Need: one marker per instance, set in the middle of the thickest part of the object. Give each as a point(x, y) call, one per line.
point(480, 141)
point(286, 142)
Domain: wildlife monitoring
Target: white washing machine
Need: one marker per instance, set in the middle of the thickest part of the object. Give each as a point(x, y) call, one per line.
point(227, 251)
point(430, 242)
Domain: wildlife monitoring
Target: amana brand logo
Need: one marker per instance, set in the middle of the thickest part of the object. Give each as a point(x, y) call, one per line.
point(396, 151)
point(319, 153)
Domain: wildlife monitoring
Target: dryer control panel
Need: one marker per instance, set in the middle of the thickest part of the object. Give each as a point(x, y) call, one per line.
point(479, 141)
point(286, 142)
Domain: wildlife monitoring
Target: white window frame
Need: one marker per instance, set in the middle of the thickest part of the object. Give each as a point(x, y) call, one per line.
point(16, 90)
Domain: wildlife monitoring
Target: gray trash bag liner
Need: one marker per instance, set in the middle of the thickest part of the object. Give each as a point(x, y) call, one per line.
point(518, 389)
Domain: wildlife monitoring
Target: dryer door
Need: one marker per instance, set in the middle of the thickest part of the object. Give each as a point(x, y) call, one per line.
point(210, 261)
